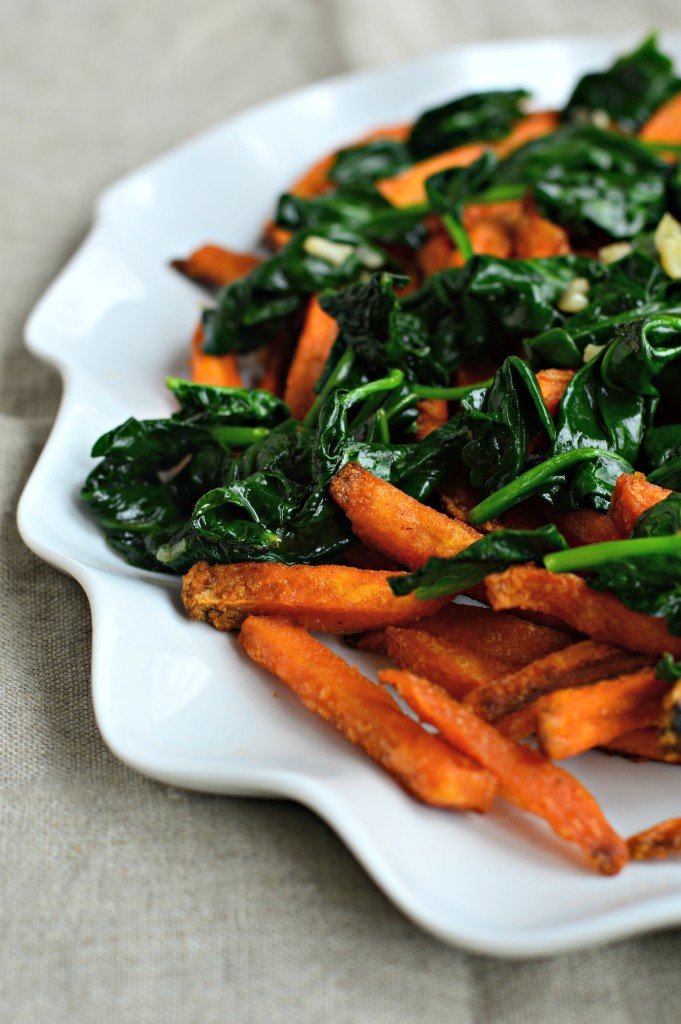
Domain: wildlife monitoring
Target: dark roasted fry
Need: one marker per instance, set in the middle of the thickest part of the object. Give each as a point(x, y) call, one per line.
point(578, 665)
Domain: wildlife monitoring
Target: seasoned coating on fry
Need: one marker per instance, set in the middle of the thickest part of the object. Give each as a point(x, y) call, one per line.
point(656, 842)
point(586, 526)
point(566, 596)
point(526, 778)
point(328, 598)
point(577, 665)
point(367, 715)
point(504, 637)
point(395, 524)
point(494, 634)
point(455, 668)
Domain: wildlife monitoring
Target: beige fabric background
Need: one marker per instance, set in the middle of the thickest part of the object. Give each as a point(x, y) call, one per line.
point(124, 900)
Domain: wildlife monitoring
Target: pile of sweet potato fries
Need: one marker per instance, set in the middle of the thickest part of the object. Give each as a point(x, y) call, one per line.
point(536, 668)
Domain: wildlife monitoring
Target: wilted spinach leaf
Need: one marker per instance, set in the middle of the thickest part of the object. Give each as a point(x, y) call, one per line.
point(359, 165)
point(589, 180)
point(254, 309)
point(629, 91)
point(493, 553)
point(358, 207)
point(479, 116)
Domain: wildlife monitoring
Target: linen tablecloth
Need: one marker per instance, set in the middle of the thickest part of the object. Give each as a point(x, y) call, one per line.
point(127, 900)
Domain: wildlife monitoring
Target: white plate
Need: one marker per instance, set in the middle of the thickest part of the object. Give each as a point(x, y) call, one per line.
point(177, 700)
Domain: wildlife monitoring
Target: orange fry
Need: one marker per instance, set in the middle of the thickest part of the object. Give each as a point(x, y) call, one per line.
point(215, 266)
point(631, 497)
point(457, 669)
point(664, 125)
point(437, 253)
point(577, 665)
point(409, 187)
point(552, 384)
point(640, 745)
point(328, 598)
point(536, 237)
point(391, 522)
point(367, 715)
point(277, 360)
point(577, 719)
point(658, 841)
point(433, 413)
point(526, 778)
point(566, 596)
point(216, 371)
point(499, 635)
point(533, 126)
point(312, 350)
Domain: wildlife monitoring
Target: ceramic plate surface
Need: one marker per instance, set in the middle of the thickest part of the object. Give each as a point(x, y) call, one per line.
point(177, 700)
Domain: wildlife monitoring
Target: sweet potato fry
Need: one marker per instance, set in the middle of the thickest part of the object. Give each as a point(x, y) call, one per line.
point(504, 637)
point(216, 371)
point(507, 213)
point(409, 187)
point(665, 124)
point(566, 596)
point(391, 522)
point(656, 842)
point(366, 714)
point(433, 413)
point(215, 267)
point(316, 179)
point(526, 778)
point(533, 126)
point(312, 350)
point(455, 668)
point(491, 238)
point(277, 360)
point(536, 237)
point(577, 719)
point(640, 745)
point(633, 496)
point(498, 635)
point(328, 598)
point(436, 254)
point(577, 665)
point(670, 723)
point(552, 384)
point(585, 526)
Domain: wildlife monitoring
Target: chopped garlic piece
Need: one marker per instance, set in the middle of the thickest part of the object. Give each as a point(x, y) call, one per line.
point(601, 119)
point(331, 252)
point(614, 252)
point(369, 258)
point(668, 244)
point(167, 553)
point(575, 298)
point(591, 351)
